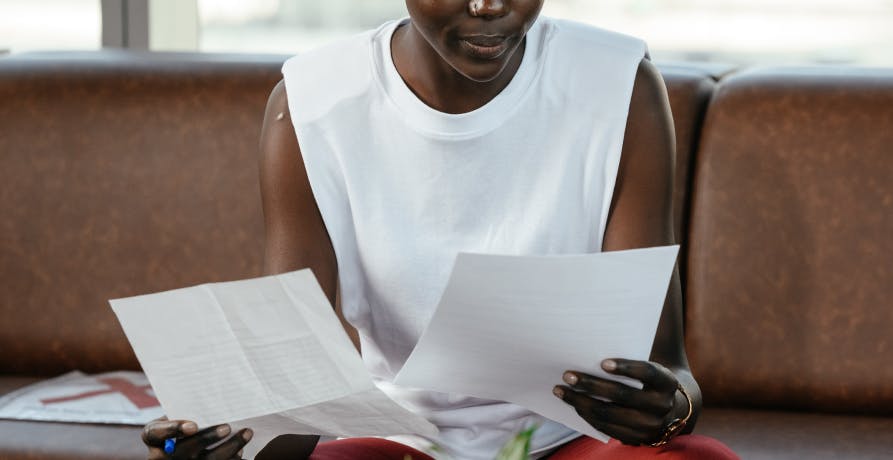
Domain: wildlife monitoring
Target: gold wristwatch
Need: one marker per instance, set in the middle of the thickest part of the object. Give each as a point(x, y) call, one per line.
point(676, 426)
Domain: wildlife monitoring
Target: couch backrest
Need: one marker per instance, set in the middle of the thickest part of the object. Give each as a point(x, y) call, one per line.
point(120, 174)
point(790, 268)
point(127, 173)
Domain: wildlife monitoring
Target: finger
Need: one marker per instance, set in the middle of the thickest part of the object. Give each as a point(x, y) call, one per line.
point(193, 445)
point(156, 431)
point(228, 449)
point(156, 454)
point(626, 435)
point(621, 394)
point(652, 375)
point(592, 409)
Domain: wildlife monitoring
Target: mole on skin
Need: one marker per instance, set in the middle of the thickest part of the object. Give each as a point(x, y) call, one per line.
point(475, 6)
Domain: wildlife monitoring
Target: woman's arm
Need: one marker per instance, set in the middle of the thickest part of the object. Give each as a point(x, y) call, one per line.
point(296, 238)
point(641, 216)
point(296, 235)
point(642, 211)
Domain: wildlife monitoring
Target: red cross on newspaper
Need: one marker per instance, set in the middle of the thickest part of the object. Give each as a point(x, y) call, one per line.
point(137, 394)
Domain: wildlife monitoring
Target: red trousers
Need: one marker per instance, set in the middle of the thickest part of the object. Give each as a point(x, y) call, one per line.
point(684, 447)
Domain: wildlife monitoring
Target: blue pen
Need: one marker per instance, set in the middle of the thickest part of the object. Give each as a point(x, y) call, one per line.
point(169, 445)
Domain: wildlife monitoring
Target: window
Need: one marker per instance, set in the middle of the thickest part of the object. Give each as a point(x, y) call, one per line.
point(27, 25)
point(730, 31)
point(752, 31)
point(736, 31)
point(287, 26)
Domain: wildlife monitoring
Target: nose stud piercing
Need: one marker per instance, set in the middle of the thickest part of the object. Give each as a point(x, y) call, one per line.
point(474, 6)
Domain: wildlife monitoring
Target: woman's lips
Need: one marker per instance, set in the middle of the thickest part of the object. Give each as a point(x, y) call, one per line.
point(485, 46)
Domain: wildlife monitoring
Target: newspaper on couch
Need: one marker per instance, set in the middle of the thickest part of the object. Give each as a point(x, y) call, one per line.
point(122, 398)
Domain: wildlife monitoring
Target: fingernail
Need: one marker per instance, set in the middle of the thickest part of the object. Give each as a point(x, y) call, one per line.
point(247, 434)
point(570, 378)
point(188, 428)
point(558, 392)
point(223, 430)
point(609, 365)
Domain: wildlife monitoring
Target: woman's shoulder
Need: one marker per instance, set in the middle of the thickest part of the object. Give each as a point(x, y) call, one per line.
point(577, 39)
point(590, 67)
point(341, 50)
point(321, 78)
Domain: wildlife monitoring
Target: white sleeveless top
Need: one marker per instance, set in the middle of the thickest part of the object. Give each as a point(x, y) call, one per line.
point(403, 187)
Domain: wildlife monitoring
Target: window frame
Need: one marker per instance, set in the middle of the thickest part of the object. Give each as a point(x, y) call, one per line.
point(150, 24)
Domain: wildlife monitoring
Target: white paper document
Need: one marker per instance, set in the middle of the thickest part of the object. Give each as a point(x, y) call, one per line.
point(507, 327)
point(267, 352)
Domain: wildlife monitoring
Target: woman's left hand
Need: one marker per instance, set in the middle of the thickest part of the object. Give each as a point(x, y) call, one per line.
point(631, 415)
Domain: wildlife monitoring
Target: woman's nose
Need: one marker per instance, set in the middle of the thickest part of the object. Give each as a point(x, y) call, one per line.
point(488, 8)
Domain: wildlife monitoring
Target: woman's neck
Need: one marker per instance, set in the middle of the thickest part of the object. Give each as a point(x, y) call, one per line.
point(437, 83)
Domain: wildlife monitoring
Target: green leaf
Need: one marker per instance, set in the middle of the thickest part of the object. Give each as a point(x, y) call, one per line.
point(519, 447)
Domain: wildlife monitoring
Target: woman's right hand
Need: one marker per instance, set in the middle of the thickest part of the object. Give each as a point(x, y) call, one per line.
point(192, 443)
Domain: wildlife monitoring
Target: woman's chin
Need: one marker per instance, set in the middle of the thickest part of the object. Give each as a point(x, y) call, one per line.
point(482, 71)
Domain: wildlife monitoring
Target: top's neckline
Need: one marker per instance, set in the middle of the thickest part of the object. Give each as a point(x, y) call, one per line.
point(434, 122)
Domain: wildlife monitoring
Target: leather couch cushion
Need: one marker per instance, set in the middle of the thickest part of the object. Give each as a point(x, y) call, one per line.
point(789, 270)
point(758, 435)
point(120, 174)
point(689, 89)
point(10, 383)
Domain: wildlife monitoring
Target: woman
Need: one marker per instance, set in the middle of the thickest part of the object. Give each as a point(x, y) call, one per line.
point(473, 126)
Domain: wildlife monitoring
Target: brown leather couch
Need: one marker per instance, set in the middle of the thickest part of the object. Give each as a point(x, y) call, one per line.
point(124, 173)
